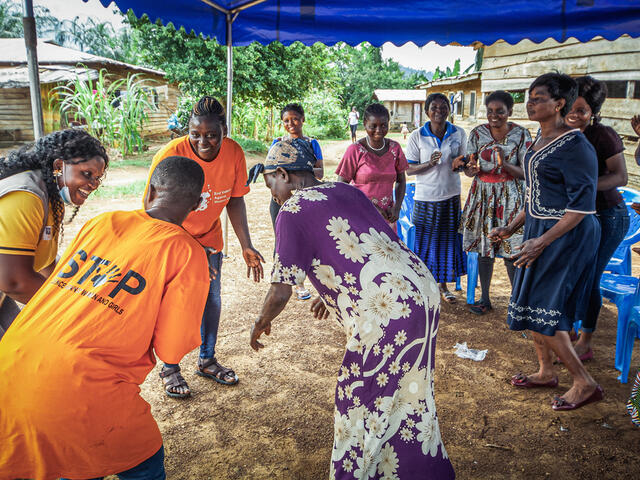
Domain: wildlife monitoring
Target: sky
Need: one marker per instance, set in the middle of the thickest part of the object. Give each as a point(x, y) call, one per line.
point(425, 58)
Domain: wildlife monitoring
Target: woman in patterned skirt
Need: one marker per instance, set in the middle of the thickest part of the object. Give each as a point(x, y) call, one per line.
point(496, 195)
point(430, 152)
point(561, 238)
point(388, 303)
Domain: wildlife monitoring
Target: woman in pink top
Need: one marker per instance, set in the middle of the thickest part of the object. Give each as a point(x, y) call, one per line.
point(375, 163)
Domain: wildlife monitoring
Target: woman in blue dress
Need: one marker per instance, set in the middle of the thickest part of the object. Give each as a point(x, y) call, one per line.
point(561, 237)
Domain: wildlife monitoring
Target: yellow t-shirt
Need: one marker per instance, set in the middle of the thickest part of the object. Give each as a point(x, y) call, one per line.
point(21, 230)
point(72, 361)
point(224, 177)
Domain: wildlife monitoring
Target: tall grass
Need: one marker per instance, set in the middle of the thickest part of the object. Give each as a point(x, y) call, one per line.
point(113, 110)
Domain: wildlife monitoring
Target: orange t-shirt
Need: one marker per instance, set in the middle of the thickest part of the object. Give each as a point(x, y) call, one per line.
point(224, 177)
point(72, 361)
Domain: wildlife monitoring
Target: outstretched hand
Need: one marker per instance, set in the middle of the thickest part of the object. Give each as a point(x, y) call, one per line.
point(319, 309)
point(254, 262)
point(258, 329)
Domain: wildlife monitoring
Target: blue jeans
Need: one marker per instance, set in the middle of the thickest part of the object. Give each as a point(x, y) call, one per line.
point(614, 223)
point(151, 469)
point(211, 316)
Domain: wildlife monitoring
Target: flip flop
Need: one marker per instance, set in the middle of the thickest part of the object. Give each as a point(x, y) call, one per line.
point(560, 404)
point(522, 381)
point(448, 297)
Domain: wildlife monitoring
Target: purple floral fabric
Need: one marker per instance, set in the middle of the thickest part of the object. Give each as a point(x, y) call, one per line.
point(388, 304)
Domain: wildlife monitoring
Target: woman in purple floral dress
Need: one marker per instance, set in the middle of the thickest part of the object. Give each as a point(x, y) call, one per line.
point(389, 305)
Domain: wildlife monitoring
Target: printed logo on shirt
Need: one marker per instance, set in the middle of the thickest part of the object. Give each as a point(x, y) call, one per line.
point(99, 272)
point(47, 233)
point(207, 196)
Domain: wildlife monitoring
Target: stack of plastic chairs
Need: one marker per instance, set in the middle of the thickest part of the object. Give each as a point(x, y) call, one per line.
point(622, 289)
point(407, 230)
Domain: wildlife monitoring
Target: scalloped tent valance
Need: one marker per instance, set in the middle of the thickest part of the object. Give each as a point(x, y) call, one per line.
point(378, 21)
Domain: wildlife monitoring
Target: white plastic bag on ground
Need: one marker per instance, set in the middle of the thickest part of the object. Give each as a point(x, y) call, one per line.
point(465, 352)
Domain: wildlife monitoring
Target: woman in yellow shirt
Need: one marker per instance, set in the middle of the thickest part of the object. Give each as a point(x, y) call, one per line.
point(36, 182)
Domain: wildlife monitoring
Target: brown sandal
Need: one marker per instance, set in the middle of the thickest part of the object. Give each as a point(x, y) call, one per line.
point(174, 379)
point(217, 373)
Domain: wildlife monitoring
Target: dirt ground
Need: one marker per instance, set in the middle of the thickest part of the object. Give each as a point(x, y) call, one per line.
point(277, 423)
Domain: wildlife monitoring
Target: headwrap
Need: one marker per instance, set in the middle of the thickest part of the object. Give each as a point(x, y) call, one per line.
point(291, 154)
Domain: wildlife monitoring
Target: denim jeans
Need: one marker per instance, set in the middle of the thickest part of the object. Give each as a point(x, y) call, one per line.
point(151, 469)
point(614, 223)
point(211, 316)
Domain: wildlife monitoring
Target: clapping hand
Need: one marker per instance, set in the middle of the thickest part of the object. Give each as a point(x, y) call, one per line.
point(458, 163)
point(498, 234)
point(435, 157)
point(499, 154)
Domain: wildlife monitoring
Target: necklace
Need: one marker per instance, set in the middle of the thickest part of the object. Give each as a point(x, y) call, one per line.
point(384, 143)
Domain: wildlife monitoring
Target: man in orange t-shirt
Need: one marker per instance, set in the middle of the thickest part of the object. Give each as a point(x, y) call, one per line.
point(72, 361)
point(225, 184)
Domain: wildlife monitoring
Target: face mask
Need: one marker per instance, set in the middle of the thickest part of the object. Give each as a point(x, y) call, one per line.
point(64, 191)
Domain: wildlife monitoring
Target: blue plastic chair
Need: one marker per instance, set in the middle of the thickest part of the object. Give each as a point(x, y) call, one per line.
point(624, 292)
point(406, 228)
point(620, 262)
point(629, 195)
point(632, 332)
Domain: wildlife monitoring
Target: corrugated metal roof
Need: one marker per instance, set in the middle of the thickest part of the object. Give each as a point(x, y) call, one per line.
point(390, 95)
point(451, 80)
point(18, 77)
point(13, 52)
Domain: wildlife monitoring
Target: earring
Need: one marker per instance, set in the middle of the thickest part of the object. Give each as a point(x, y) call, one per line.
point(557, 109)
point(57, 173)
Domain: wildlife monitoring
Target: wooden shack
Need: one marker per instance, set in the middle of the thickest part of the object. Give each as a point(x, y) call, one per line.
point(463, 91)
point(405, 106)
point(58, 66)
point(617, 62)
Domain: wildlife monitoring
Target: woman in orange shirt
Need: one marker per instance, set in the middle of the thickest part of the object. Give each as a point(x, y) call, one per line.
point(225, 172)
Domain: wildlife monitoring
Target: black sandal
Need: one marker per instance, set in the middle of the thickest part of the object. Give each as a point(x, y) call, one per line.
point(480, 308)
point(217, 373)
point(174, 379)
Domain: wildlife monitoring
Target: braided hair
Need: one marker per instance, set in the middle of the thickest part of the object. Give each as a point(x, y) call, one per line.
point(209, 107)
point(376, 110)
point(65, 144)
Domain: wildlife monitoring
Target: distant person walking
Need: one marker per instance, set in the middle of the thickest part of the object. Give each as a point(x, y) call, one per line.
point(354, 118)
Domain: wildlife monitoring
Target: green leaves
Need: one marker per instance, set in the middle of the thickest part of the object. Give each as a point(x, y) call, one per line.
point(113, 110)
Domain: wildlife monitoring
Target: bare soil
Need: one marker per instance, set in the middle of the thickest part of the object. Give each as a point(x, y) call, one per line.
point(277, 423)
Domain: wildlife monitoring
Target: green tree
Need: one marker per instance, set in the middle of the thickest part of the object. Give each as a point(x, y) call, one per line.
point(361, 70)
point(11, 19)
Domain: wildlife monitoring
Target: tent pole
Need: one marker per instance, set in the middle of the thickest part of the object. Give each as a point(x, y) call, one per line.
point(31, 41)
point(229, 105)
